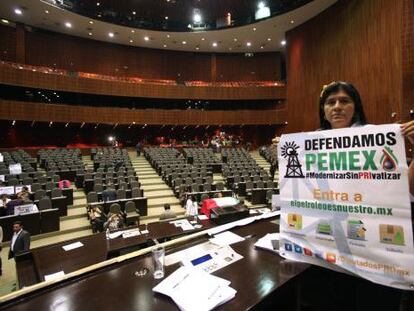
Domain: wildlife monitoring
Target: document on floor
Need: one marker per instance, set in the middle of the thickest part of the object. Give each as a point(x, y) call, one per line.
point(207, 291)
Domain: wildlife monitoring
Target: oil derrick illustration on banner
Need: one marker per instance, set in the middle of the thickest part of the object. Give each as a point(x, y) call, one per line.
point(293, 167)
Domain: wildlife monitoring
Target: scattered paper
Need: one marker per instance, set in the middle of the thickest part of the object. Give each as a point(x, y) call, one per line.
point(54, 276)
point(253, 211)
point(226, 238)
point(207, 291)
point(268, 242)
point(202, 217)
point(114, 235)
point(144, 231)
point(72, 246)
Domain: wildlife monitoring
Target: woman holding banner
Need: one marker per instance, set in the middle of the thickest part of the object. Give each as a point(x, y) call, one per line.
point(340, 106)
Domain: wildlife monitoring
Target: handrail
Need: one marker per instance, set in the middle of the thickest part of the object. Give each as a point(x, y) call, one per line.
point(137, 80)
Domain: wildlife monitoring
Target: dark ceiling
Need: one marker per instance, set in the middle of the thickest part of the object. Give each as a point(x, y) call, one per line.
point(177, 15)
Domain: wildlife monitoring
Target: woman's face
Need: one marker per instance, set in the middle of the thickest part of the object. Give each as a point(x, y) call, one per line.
point(339, 109)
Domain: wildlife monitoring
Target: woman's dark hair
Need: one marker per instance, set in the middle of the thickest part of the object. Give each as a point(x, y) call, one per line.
point(352, 92)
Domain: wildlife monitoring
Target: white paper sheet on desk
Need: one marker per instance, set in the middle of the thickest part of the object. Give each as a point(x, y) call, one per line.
point(266, 242)
point(226, 238)
point(116, 234)
point(207, 291)
point(72, 246)
point(144, 231)
point(187, 226)
point(130, 233)
point(202, 217)
point(54, 276)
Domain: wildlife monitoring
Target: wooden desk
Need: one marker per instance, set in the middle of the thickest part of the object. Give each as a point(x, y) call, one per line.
point(256, 277)
point(141, 203)
point(52, 258)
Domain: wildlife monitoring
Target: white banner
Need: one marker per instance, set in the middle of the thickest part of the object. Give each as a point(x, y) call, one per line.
point(345, 202)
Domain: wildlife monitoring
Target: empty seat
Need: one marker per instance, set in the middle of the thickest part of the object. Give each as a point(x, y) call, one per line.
point(220, 186)
point(41, 179)
point(50, 185)
point(121, 194)
point(35, 187)
point(13, 182)
point(45, 203)
point(131, 214)
point(136, 192)
point(39, 194)
point(92, 197)
point(28, 181)
point(115, 208)
point(56, 193)
point(98, 188)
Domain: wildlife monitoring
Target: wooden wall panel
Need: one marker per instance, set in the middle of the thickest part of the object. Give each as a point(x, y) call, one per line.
point(355, 41)
point(13, 110)
point(262, 66)
point(79, 54)
point(28, 78)
point(7, 43)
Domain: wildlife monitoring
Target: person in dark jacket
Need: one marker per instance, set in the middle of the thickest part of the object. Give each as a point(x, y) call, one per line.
point(20, 242)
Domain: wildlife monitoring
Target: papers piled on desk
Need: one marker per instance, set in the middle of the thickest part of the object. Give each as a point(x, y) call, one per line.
point(270, 242)
point(130, 233)
point(193, 289)
point(183, 223)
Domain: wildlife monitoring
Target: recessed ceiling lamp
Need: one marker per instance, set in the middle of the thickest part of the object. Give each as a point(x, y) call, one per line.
point(5, 21)
point(111, 34)
point(146, 38)
point(184, 42)
point(214, 44)
point(68, 25)
point(283, 42)
point(46, 11)
point(91, 22)
point(18, 11)
point(249, 44)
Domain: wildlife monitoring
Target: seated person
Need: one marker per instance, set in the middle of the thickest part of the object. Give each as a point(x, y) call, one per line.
point(63, 184)
point(24, 194)
point(97, 219)
point(218, 195)
point(12, 204)
point(191, 207)
point(4, 199)
point(109, 194)
point(115, 222)
point(168, 213)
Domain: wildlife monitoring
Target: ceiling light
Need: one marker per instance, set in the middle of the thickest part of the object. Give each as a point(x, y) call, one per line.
point(166, 17)
point(235, 39)
point(229, 49)
point(111, 34)
point(18, 11)
point(133, 31)
point(248, 43)
point(14, 122)
point(98, 4)
point(146, 38)
point(283, 42)
point(292, 21)
point(214, 44)
point(168, 36)
point(133, 12)
point(197, 16)
point(5, 21)
point(262, 47)
point(165, 45)
point(68, 25)
point(90, 33)
point(261, 5)
point(202, 39)
point(269, 39)
point(197, 48)
point(254, 28)
point(46, 11)
point(184, 42)
point(91, 22)
point(131, 41)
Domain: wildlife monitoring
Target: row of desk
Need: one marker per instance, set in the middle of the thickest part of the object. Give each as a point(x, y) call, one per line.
point(141, 204)
point(258, 278)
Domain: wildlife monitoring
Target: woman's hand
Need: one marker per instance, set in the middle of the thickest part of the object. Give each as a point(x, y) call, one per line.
point(407, 129)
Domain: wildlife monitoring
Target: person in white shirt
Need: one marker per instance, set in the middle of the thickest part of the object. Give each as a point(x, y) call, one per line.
point(20, 242)
point(191, 207)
